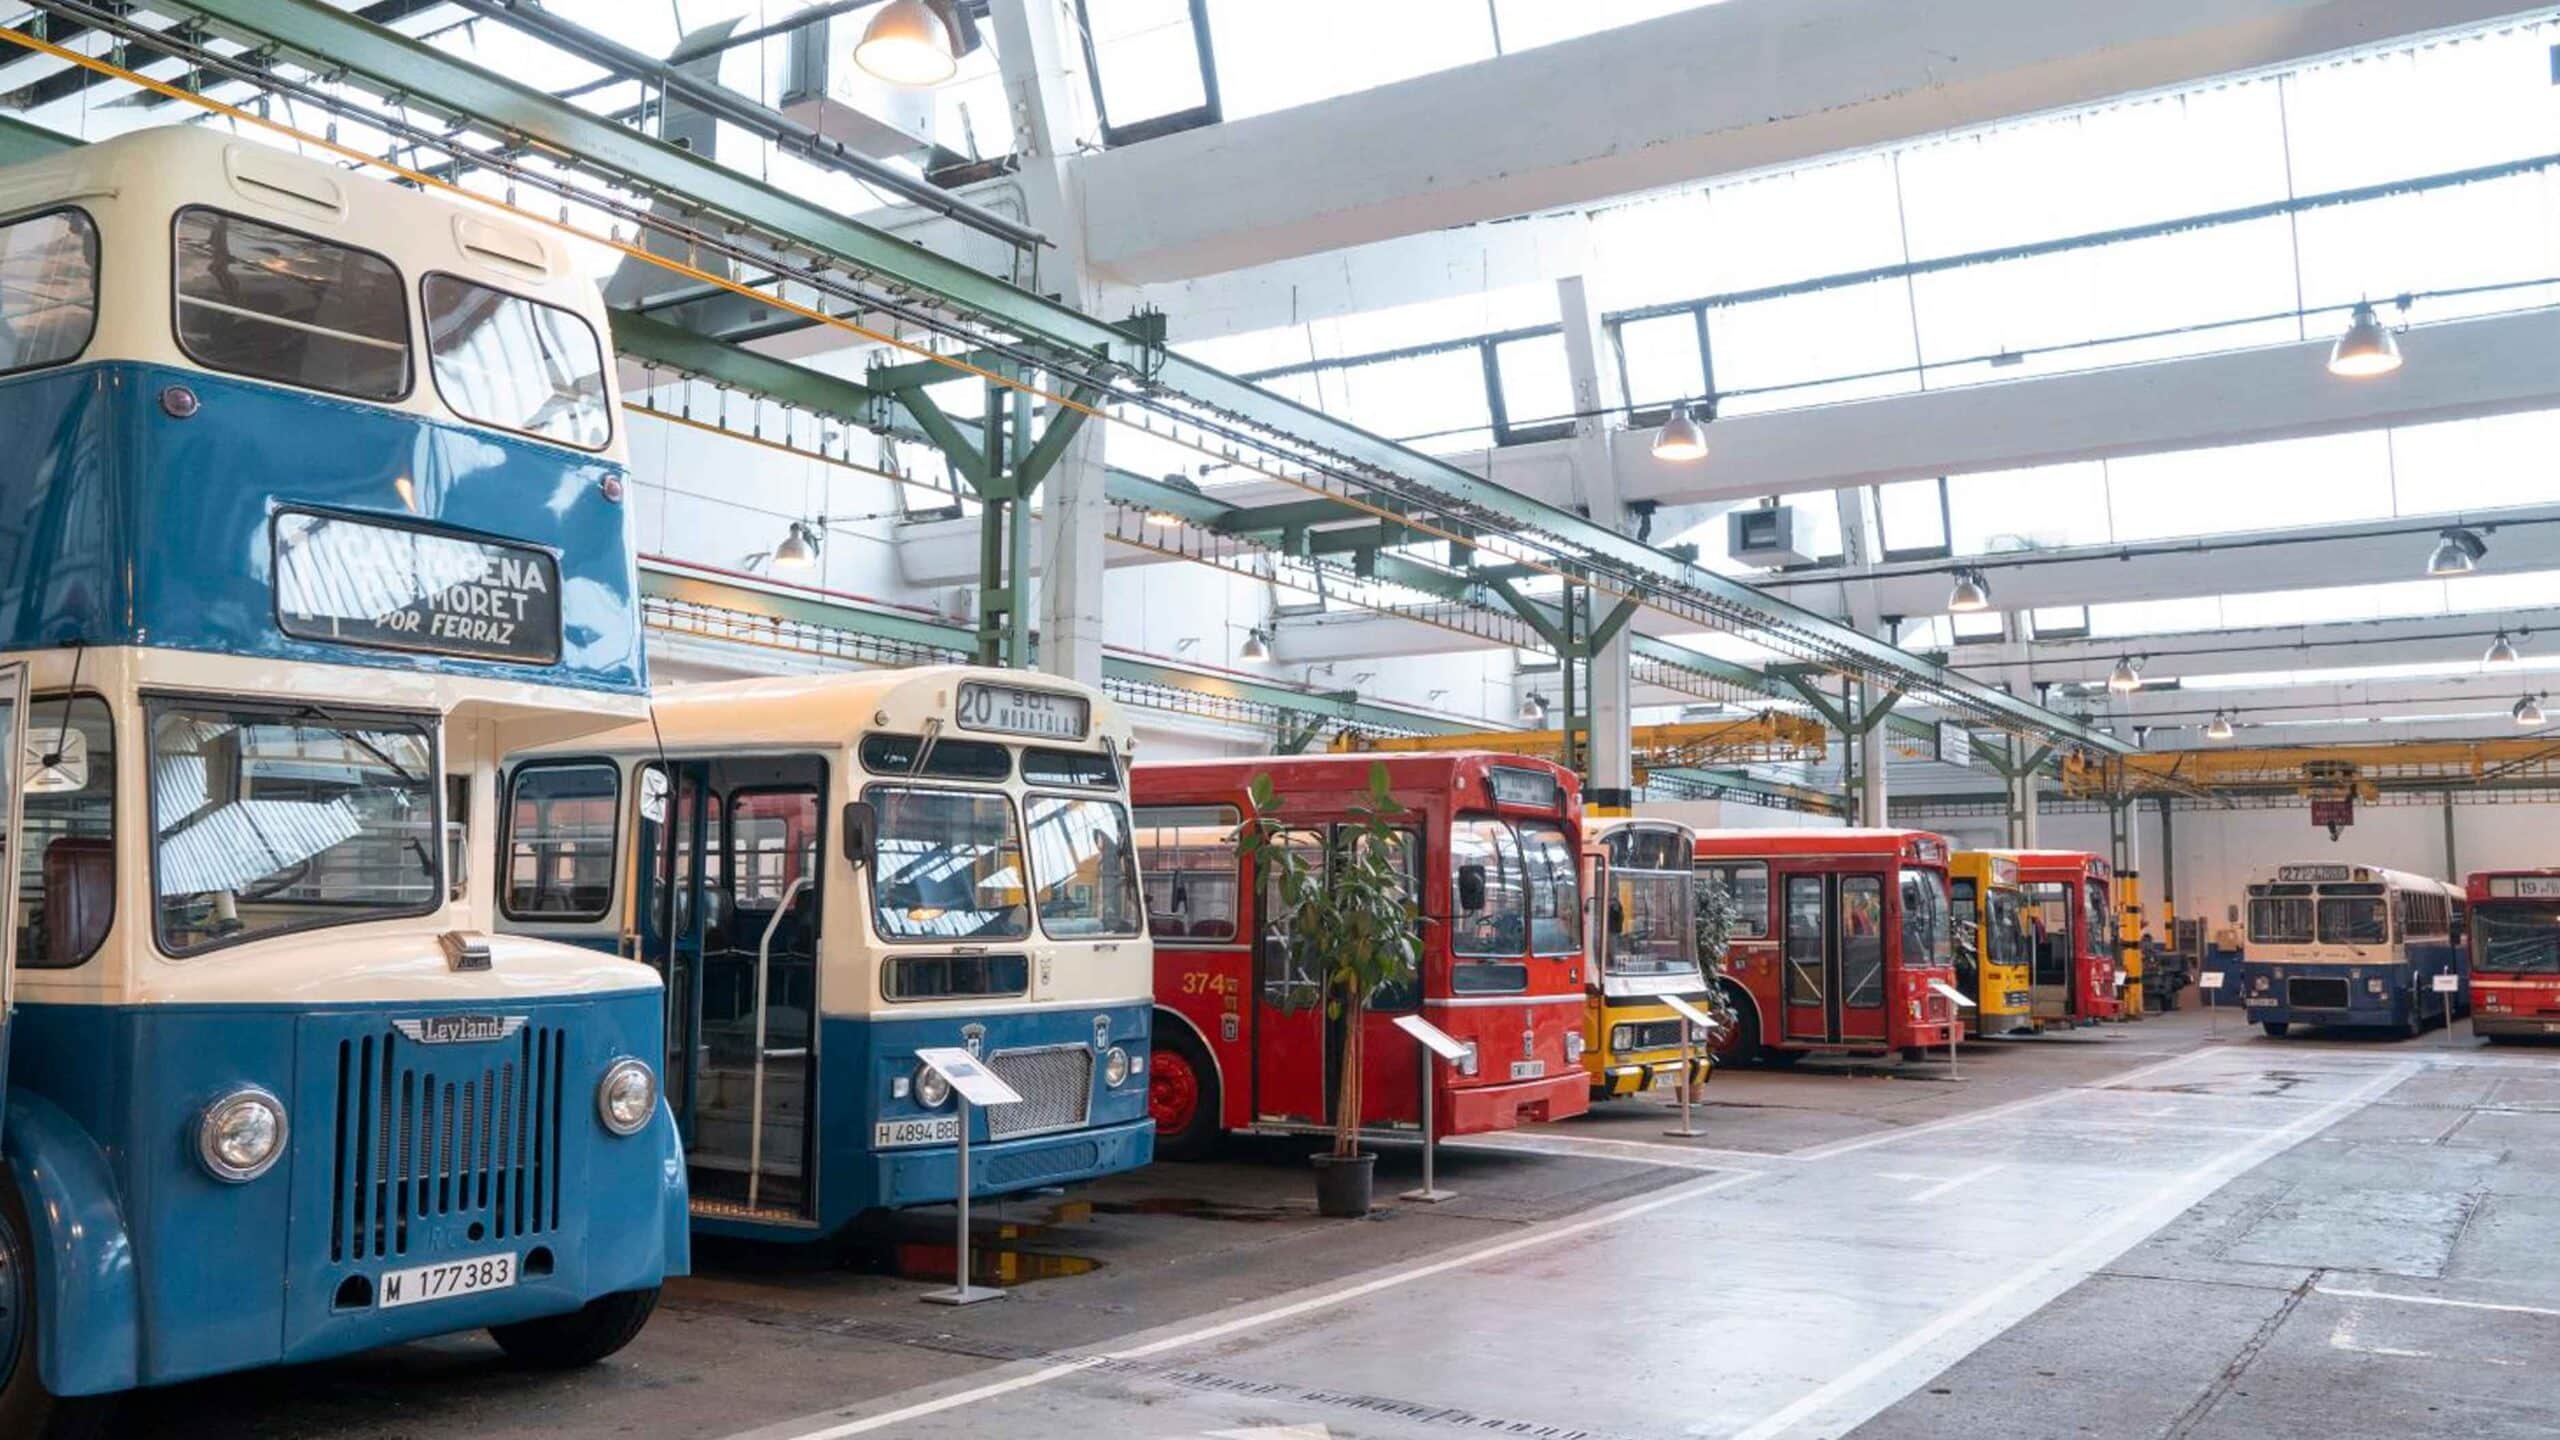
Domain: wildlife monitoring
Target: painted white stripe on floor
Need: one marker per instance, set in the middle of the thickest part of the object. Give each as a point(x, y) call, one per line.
point(1853, 1398)
point(2501, 1308)
point(1544, 1234)
point(1600, 1147)
point(1967, 1178)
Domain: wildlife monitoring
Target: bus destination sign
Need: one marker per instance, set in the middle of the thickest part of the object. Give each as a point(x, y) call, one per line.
point(400, 587)
point(2525, 887)
point(1017, 710)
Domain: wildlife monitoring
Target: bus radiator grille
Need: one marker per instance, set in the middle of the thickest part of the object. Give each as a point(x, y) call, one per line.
point(1056, 1086)
point(1072, 1157)
point(423, 1135)
point(2316, 992)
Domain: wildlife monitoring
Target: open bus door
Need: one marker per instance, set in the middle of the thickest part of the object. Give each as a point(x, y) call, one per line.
point(13, 710)
point(1835, 959)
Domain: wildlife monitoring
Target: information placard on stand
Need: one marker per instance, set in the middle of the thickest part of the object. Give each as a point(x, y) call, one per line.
point(2209, 981)
point(1957, 1003)
point(972, 1083)
point(1451, 1050)
point(1693, 1023)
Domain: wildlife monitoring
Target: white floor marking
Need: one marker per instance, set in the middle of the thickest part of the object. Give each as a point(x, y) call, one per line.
point(2502, 1309)
point(1898, 1369)
point(1537, 1235)
point(1943, 1186)
point(2347, 1335)
point(1646, 1152)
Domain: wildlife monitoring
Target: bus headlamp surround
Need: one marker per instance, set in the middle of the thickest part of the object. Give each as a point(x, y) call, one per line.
point(1115, 1067)
point(627, 1097)
point(931, 1089)
point(242, 1135)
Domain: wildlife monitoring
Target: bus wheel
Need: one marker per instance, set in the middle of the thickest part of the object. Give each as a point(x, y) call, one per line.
point(1182, 1096)
point(581, 1337)
point(1777, 1059)
point(1744, 1047)
point(2275, 1027)
point(26, 1408)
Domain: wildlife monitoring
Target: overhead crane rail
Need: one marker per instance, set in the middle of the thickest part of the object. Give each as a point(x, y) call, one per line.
point(2362, 769)
point(852, 273)
point(1769, 737)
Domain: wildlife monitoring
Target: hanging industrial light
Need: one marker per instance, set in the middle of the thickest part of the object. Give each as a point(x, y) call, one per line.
point(2528, 711)
point(2220, 729)
point(1533, 708)
point(1972, 592)
point(2502, 651)
point(2367, 349)
point(799, 547)
point(1257, 646)
point(2457, 552)
point(1682, 439)
point(2126, 677)
point(908, 42)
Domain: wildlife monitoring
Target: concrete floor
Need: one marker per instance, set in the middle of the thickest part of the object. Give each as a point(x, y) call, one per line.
point(2151, 1229)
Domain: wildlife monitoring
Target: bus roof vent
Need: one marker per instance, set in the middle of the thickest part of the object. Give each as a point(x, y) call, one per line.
point(502, 246)
point(272, 178)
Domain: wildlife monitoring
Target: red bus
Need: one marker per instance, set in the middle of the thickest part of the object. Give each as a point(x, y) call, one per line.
point(2514, 922)
point(1242, 1041)
point(2069, 897)
point(1839, 936)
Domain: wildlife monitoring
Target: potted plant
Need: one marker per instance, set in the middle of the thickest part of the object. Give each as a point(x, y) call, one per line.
point(1350, 923)
point(1717, 913)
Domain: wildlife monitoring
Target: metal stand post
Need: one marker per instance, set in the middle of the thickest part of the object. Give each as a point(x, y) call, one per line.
point(1688, 1063)
point(961, 1291)
point(1955, 1033)
point(1430, 1193)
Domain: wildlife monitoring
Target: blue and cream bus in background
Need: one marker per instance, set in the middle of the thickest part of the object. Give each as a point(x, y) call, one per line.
point(833, 872)
point(312, 508)
point(2351, 947)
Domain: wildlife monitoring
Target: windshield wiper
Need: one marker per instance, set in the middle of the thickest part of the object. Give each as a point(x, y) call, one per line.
point(347, 728)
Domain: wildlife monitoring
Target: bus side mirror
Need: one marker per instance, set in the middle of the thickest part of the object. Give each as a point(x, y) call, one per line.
point(1471, 888)
point(457, 859)
point(861, 832)
point(1617, 917)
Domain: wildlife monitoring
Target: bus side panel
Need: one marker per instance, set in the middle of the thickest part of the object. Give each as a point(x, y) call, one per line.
point(1212, 989)
point(91, 1298)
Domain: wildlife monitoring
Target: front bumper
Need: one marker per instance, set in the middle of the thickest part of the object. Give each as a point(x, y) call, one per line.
point(1476, 1109)
point(1634, 1076)
point(931, 1175)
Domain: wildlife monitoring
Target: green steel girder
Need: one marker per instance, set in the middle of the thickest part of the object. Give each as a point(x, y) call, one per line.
point(335, 40)
point(1343, 706)
point(1053, 443)
point(21, 142)
point(640, 337)
point(1613, 622)
point(966, 452)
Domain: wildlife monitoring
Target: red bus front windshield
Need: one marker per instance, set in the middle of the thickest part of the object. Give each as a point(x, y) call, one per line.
point(2517, 939)
point(1532, 902)
point(1927, 919)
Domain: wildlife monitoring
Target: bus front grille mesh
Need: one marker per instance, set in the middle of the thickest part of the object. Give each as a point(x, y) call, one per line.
point(424, 1133)
point(1056, 1086)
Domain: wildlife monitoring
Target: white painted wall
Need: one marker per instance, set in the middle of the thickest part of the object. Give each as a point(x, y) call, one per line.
point(711, 500)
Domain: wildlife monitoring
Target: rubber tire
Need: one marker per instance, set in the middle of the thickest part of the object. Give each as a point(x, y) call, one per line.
point(1746, 1045)
point(2275, 1027)
point(1911, 1054)
point(580, 1338)
point(1198, 1139)
point(1777, 1059)
point(27, 1410)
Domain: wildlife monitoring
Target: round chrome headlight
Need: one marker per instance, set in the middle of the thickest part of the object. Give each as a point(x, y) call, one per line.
point(627, 1097)
point(1115, 1066)
point(1622, 1037)
point(931, 1088)
point(241, 1135)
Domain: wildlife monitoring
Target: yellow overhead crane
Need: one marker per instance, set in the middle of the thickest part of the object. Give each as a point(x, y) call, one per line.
point(2357, 769)
point(1767, 736)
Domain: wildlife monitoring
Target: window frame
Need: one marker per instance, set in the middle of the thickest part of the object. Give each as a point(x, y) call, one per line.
point(872, 795)
point(1210, 111)
point(409, 334)
point(115, 824)
point(507, 840)
point(1032, 885)
point(97, 281)
point(426, 346)
point(1944, 549)
point(1716, 872)
point(429, 722)
point(1239, 932)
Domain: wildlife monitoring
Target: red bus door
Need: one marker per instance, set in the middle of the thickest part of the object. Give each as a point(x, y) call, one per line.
point(1290, 1064)
point(1834, 959)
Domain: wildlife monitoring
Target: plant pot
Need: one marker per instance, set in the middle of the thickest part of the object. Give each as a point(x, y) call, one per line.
point(1343, 1186)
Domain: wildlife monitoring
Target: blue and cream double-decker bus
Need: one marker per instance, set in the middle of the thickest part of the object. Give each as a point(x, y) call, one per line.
point(834, 872)
point(2352, 946)
point(311, 509)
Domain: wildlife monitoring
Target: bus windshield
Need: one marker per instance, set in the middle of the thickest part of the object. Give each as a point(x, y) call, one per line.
point(268, 820)
point(2279, 920)
point(1927, 926)
point(1081, 860)
point(1656, 925)
point(2007, 927)
point(2518, 939)
point(948, 866)
point(2353, 920)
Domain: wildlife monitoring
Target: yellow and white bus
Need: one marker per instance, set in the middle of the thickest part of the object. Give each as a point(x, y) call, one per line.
point(1640, 888)
point(1993, 968)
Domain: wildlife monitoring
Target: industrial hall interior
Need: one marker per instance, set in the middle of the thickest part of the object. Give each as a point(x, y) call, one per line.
point(1279, 719)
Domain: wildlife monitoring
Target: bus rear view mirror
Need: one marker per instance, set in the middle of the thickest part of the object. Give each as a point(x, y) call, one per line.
point(1471, 888)
point(861, 831)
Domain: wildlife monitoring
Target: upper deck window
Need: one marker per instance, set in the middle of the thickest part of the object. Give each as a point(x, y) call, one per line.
point(275, 304)
point(515, 363)
point(48, 289)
